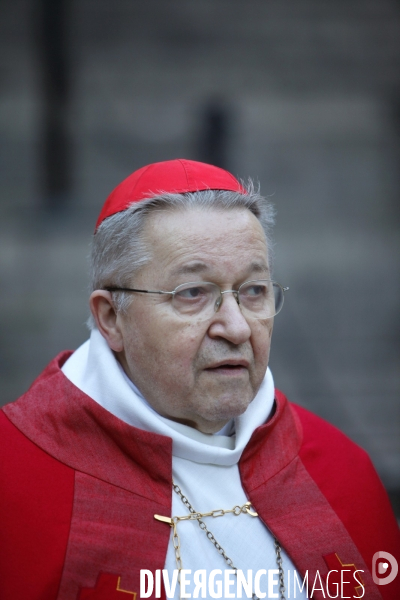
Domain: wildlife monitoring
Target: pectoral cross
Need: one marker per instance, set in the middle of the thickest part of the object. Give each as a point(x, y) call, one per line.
point(108, 587)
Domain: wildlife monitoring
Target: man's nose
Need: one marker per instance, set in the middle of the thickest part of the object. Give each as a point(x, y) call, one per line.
point(218, 303)
point(228, 321)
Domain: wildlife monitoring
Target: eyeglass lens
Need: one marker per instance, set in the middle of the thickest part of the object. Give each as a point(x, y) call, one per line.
point(260, 299)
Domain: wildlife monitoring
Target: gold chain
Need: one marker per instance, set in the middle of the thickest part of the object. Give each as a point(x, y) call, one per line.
point(196, 516)
point(177, 547)
point(279, 562)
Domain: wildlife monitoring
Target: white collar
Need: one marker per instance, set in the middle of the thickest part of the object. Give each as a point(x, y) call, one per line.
point(94, 369)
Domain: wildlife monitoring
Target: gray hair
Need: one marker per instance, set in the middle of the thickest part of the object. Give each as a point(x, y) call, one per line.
point(119, 248)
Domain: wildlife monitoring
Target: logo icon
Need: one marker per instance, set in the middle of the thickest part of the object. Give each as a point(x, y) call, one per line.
point(384, 568)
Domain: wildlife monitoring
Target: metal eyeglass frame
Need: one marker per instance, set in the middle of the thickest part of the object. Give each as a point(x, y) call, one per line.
point(219, 300)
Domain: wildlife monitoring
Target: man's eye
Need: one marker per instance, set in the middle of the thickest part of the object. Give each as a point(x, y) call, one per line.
point(192, 293)
point(254, 291)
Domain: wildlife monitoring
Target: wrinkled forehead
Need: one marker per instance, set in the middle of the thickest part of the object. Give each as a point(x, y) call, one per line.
point(202, 223)
point(192, 240)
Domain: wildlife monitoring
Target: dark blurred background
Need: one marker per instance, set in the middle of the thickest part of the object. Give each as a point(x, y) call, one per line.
point(302, 96)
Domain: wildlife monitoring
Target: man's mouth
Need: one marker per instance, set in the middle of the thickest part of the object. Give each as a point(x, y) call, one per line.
point(229, 367)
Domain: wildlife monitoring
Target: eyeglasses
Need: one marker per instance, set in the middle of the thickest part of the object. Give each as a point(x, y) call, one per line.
point(258, 299)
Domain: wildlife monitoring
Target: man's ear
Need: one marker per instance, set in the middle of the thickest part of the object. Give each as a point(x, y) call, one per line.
point(107, 321)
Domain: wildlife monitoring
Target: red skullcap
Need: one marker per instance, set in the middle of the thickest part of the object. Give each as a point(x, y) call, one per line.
point(173, 176)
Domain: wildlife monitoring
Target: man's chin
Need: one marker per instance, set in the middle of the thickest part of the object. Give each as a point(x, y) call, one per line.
point(214, 419)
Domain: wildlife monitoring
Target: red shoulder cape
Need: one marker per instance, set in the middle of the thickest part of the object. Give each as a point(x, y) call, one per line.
point(79, 489)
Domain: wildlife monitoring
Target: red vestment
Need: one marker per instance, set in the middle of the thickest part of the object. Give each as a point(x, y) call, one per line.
point(79, 489)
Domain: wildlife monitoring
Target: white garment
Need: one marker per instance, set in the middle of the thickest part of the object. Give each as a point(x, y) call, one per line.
point(205, 466)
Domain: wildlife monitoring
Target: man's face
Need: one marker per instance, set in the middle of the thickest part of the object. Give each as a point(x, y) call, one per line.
point(201, 373)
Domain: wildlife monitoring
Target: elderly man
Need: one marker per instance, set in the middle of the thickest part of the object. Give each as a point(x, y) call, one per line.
point(158, 459)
